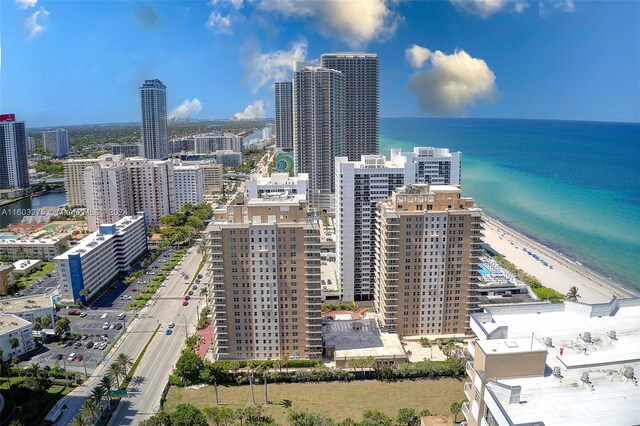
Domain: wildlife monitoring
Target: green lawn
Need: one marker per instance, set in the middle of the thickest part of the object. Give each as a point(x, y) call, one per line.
point(32, 411)
point(23, 281)
point(338, 400)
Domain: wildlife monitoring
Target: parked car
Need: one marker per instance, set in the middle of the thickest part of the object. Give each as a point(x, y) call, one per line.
point(104, 316)
point(71, 356)
point(118, 326)
point(74, 312)
point(190, 293)
point(83, 314)
point(105, 336)
point(185, 303)
point(89, 345)
point(103, 346)
point(105, 326)
point(66, 343)
point(171, 325)
point(121, 315)
point(112, 326)
point(78, 357)
point(85, 337)
point(187, 297)
point(168, 332)
point(194, 287)
point(57, 357)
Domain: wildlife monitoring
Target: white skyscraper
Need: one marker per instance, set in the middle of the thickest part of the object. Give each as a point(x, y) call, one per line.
point(318, 128)
point(56, 142)
point(14, 170)
point(108, 193)
point(189, 185)
point(153, 102)
point(362, 82)
point(284, 114)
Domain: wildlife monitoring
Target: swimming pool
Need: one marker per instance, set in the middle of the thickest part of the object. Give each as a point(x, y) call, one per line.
point(484, 270)
point(7, 237)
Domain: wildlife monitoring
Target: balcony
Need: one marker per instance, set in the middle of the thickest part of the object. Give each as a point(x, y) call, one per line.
point(466, 412)
point(469, 369)
point(467, 390)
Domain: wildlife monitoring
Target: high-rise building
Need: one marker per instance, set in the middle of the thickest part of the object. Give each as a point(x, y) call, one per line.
point(359, 187)
point(56, 142)
point(128, 150)
point(152, 188)
point(212, 177)
point(189, 185)
point(14, 169)
point(318, 128)
point(428, 245)
point(265, 268)
point(210, 143)
point(153, 101)
point(74, 185)
point(284, 114)
point(108, 193)
point(362, 82)
point(31, 144)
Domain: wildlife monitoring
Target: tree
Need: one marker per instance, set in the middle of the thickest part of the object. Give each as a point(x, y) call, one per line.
point(407, 417)
point(195, 223)
point(14, 343)
point(90, 409)
point(220, 416)
point(189, 366)
point(375, 418)
point(125, 363)
point(162, 418)
point(80, 420)
point(187, 415)
point(205, 293)
point(116, 371)
point(572, 294)
point(99, 394)
point(251, 366)
point(304, 418)
point(37, 324)
point(106, 383)
point(234, 366)
point(84, 293)
point(46, 321)
point(455, 409)
point(212, 373)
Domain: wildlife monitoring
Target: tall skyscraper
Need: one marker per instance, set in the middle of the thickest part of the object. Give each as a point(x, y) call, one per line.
point(14, 170)
point(265, 269)
point(428, 245)
point(74, 185)
point(153, 101)
point(362, 82)
point(284, 114)
point(318, 128)
point(56, 142)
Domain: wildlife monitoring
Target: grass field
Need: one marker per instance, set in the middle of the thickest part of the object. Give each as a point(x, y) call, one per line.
point(34, 410)
point(22, 281)
point(337, 400)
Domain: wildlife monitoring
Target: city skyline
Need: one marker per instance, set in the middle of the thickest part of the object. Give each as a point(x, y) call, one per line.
point(526, 58)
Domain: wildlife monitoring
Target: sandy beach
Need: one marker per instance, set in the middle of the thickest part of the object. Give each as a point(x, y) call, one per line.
point(565, 273)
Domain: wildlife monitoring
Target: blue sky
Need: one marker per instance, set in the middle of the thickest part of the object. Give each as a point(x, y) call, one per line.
point(76, 62)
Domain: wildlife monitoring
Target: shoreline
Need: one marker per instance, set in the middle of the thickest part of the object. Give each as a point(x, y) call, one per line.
point(593, 288)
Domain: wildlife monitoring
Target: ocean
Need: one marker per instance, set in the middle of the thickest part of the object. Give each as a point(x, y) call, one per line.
point(573, 186)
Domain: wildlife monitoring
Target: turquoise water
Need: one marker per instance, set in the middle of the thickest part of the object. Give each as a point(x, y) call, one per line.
point(7, 237)
point(571, 185)
point(484, 270)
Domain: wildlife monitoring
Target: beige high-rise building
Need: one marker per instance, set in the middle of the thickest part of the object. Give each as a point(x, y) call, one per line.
point(427, 253)
point(152, 187)
point(108, 193)
point(265, 266)
point(212, 176)
point(74, 184)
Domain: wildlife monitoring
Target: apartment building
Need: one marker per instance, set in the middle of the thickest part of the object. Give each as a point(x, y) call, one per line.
point(283, 91)
point(153, 105)
point(12, 327)
point(29, 307)
point(14, 169)
point(277, 183)
point(212, 177)
point(6, 278)
point(56, 142)
point(204, 144)
point(32, 248)
point(435, 166)
point(188, 184)
point(428, 244)
point(74, 185)
point(181, 145)
point(228, 158)
point(98, 258)
point(265, 266)
point(555, 364)
point(128, 150)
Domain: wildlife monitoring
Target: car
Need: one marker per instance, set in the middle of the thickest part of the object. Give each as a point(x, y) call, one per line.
point(121, 315)
point(58, 357)
point(105, 326)
point(78, 357)
point(105, 336)
point(85, 337)
point(77, 345)
point(49, 275)
point(83, 314)
point(199, 275)
point(104, 316)
point(112, 326)
point(168, 332)
point(118, 326)
point(134, 290)
point(187, 297)
point(190, 293)
point(103, 345)
point(89, 345)
point(194, 287)
point(71, 356)
point(74, 312)
point(185, 303)
point(171, 325)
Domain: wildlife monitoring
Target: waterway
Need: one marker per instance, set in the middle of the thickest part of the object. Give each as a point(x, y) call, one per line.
point(14, 212)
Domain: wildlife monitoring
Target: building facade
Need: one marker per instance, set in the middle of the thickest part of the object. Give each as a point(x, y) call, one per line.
point(435, 166)
point(32, 248)
point(30, 307)
point(278, 183)
point(362, 81)
point(284, 114)
point(428, 245)
point(228, 158)
point(188, 184)
point(318, 129)
point(98, 258)
point(153, 102)
point(129, 150)
point(56, 142)
point(13, 327)
point(31, 144)
point(74, 185)
point(14, 169)
point(204, 144)
point(265, 267)
point(6, 278)
point(212, 177)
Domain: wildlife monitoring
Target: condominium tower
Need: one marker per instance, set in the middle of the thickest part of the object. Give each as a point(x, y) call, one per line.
point(56, 142)
point(359, 186)
point(153, 102)
point(318, 128)
point(14, 170)
point(189, 184)
point(362, 82)
point(74, 185)
point(284, 114)
point(428, 244)
point(265, 267)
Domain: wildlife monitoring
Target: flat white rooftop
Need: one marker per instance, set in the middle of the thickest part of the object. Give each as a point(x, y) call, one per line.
point(363, 342)
point(25, 303)
point(10, 322)
point(23, 265)
point(506, 346)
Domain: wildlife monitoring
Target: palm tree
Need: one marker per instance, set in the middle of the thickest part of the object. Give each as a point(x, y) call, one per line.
point(251, 366)
point(98, 394)
point(34, 370)
point(106, 383)
point(125, 362)
point(90, 409)
point(572, 294)
point(116, 371)
point(80, 420)
point(455, 409)
point(205, 293)
point(14, 343)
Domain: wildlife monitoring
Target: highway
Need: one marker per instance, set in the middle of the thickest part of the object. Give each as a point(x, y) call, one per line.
point(154, 368)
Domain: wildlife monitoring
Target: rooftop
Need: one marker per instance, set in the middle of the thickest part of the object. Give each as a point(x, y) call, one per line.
point(503, 346)
point(24, 264)
point(19, 304)
point(26, 241)
point(360, 339)
point(11, 322)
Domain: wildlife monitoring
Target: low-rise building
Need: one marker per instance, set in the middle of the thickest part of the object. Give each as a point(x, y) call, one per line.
point(128, 150)
point(26, 266)
point(29, 307)
point(98, 258)
point(6, 278)
point(555, 364)
point(16, 336)
point(36, 248)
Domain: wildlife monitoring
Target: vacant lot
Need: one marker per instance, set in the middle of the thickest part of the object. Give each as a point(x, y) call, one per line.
point(338, 400)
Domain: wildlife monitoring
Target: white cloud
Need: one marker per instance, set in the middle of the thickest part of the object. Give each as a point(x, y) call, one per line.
point(486, 8)
point(187, 108)
point(26, 4)
point(251, 112)
point(219, 24)
point(265, 68)
point(417, 55)
point(356, 22)
point(548, 7)
point(236, 4)
point(32, 25)
point(452, 82)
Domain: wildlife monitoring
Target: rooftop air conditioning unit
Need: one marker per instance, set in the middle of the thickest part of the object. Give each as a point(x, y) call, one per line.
point(548, 341)
point(557, 373)
point(612, 335)
point(586, 336)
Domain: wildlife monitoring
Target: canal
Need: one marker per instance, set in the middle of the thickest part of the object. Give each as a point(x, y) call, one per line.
point(14, 212)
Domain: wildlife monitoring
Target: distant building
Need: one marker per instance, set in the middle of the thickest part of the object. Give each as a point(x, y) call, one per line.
point(428, 245)
point(182, 145)
point(284, 114)
point(74, 185)
point(32, 248)
point(129, 150)
point(266, 133)
point(14, 169)
point(56, 142)
point(278, 183)
point(12, 327)
point(318, 128)
point(555, 364)
point(435, 166)
point(211, 143)
point(6, 278)
point(188, 185)
point(228, 158)
point(212, 177)
point(98, 258)
point(31, 144)
point(362, 99)
point(153, 102)
point(272, 309)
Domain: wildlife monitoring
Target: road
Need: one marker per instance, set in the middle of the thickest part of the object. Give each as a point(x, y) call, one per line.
point(160, 357)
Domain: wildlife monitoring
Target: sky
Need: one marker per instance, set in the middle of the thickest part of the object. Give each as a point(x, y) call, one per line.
point(81, 62)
